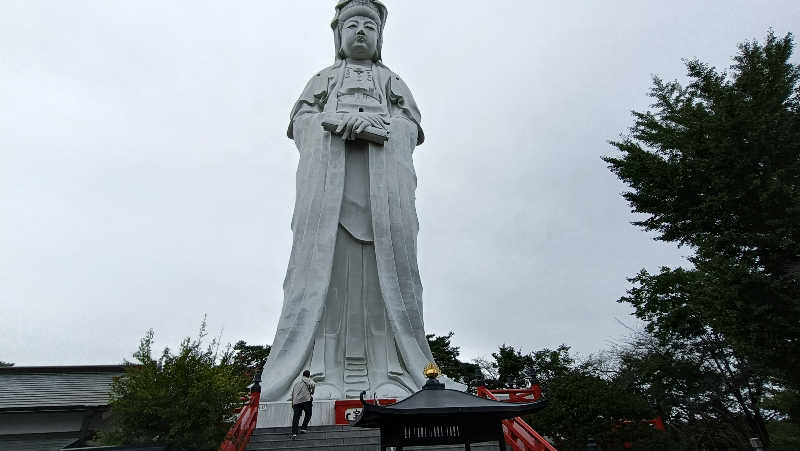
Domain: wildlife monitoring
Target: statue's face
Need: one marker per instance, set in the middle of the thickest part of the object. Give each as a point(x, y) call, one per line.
point(360, 38)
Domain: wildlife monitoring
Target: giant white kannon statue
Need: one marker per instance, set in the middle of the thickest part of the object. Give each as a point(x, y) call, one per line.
point(352, 309)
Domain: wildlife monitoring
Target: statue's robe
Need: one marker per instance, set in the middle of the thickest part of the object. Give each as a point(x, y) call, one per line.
point(320, 184)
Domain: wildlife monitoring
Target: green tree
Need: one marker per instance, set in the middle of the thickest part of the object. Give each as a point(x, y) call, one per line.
point(184, 399)
point(784, 435)
point(510, 368)
point(5, 364)
point(590, 399)
point(694, 374)
point(249, 359)
point(446, 356)
point(547, 365)
point(715, 166)
point(709, 398)
point(583, 405)
point(514, 369)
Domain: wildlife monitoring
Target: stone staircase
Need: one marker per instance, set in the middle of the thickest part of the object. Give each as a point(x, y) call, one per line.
point(334, 438)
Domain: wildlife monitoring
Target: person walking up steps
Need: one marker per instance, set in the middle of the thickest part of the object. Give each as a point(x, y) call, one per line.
point(301, 402)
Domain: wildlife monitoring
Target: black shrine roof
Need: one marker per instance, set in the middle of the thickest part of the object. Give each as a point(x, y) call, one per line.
point(438, 402)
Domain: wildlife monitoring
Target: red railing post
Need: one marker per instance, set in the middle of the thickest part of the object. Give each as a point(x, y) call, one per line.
point(239, 434)
point(519, 434)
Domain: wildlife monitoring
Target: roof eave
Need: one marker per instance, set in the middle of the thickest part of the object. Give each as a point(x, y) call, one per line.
point(65, 369)
point(372, 415)
point(40, 409)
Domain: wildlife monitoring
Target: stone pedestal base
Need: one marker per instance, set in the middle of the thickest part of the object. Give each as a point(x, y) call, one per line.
point(277, 414)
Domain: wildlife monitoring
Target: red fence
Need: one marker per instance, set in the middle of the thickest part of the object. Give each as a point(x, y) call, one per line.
point(239, 435)
point(346, 410)
point(519, 434)
point(518, 394)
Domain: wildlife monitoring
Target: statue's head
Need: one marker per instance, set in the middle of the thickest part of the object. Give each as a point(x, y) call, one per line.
point(358, 29)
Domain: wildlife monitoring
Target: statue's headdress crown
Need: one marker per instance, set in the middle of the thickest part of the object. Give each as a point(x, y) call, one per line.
point(345, 9)
point(367, 8)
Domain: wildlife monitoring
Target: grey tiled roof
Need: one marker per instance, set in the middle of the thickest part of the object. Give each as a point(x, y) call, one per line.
point(57, 387)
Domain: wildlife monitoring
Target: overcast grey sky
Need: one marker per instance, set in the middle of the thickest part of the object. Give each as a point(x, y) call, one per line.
point(146, 178)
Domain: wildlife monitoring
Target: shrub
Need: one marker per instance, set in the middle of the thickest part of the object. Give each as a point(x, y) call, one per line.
point(185, 400)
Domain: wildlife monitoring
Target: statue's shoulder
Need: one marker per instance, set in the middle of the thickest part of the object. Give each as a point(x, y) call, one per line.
point(319, 85)
point(387, 73)
point(399, 88)
point(320, 78)
point(326, 73)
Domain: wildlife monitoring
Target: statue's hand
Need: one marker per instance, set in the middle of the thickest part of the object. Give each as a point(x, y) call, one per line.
point(355, 123)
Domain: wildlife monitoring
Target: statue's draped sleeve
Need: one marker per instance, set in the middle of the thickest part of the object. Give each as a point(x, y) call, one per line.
point(402, 104)
point(313, 98)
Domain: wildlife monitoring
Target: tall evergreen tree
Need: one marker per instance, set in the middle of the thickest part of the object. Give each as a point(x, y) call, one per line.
point(715, 166)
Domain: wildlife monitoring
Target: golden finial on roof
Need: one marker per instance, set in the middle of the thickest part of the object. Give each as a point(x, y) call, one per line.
point(432, 371)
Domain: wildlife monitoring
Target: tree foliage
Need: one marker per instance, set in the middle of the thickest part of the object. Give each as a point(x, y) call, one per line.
point(445, 354)
point(5, 364)
point(547, 365)
point(583, 404)
point(585, 398)
point(514, 369)
point(249, 359)
point(708, 397)
point(715, 166)
point(184, 399)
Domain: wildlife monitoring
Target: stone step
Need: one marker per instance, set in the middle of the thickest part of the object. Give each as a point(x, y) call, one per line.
point(474, 446)
point(325, 428)
point(335, 438)
point(348, 447)
point(314, 435)
point(376, 447)
point(334, 443)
